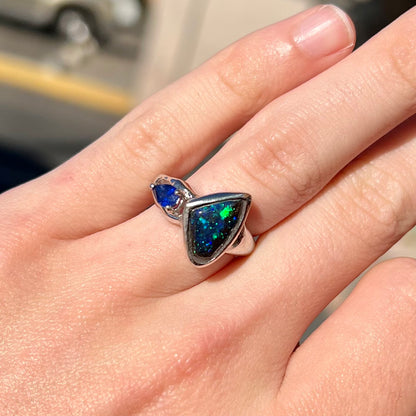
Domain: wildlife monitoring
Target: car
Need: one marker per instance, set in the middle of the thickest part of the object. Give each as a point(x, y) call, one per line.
point(75, 20)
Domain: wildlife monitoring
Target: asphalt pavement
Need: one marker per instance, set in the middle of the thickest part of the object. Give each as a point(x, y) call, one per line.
point(113, 64)
point(57, 97)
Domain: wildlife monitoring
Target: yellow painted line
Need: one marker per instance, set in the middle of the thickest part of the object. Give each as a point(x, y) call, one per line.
point(55, 84)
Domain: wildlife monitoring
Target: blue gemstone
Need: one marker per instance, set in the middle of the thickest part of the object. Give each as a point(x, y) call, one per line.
point(211, 225)
point(165, 195)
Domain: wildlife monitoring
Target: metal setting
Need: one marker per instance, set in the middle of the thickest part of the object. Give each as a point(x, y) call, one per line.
point(182, 190)
point(213, 225)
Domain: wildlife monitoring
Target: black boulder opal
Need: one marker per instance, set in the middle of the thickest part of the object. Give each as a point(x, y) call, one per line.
point(212, 224)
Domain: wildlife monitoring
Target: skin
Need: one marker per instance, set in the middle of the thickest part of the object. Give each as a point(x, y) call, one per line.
point(101, 313)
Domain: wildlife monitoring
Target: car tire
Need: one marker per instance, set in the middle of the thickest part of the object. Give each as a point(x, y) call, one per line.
point(75, 25)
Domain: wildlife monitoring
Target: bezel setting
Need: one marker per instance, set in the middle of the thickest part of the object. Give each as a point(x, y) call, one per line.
point(213, 225)
point(244, 202)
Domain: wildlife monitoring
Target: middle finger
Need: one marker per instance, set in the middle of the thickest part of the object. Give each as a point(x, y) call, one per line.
point(290, 150)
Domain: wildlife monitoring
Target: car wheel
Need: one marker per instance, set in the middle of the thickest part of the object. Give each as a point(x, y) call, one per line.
point(75, 25)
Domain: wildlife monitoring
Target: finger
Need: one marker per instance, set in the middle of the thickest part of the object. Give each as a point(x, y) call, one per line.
point(292, 148)
point(175, 129)
point(309, 258)
point(289, 151)
point(362, 360)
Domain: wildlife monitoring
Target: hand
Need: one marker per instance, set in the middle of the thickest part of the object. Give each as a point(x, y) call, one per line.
point(102, 313)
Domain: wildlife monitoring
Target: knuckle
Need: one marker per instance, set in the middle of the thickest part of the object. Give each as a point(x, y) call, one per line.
point(379, 200)
point(403, 62)
point(284, 162)
point(151, 136)
point(399, 60)
point(238, 75)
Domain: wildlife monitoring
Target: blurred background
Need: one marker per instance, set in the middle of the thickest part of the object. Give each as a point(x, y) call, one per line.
point(69, 69)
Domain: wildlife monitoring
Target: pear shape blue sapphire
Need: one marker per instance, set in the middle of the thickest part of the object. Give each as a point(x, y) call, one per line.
point(165, 195)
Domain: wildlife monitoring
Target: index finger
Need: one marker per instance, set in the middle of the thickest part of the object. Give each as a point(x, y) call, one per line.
point(175, 129)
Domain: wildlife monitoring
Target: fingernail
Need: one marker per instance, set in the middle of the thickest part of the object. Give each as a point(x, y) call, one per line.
point(326, 31)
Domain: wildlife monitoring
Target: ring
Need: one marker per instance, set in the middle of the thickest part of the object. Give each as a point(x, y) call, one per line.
point(213, 224)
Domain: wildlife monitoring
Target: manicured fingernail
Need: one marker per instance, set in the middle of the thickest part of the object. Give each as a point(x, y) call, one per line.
point(326, 31)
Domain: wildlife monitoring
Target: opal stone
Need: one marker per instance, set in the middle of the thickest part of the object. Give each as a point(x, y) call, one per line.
point(165, 195)
point(211, 225)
